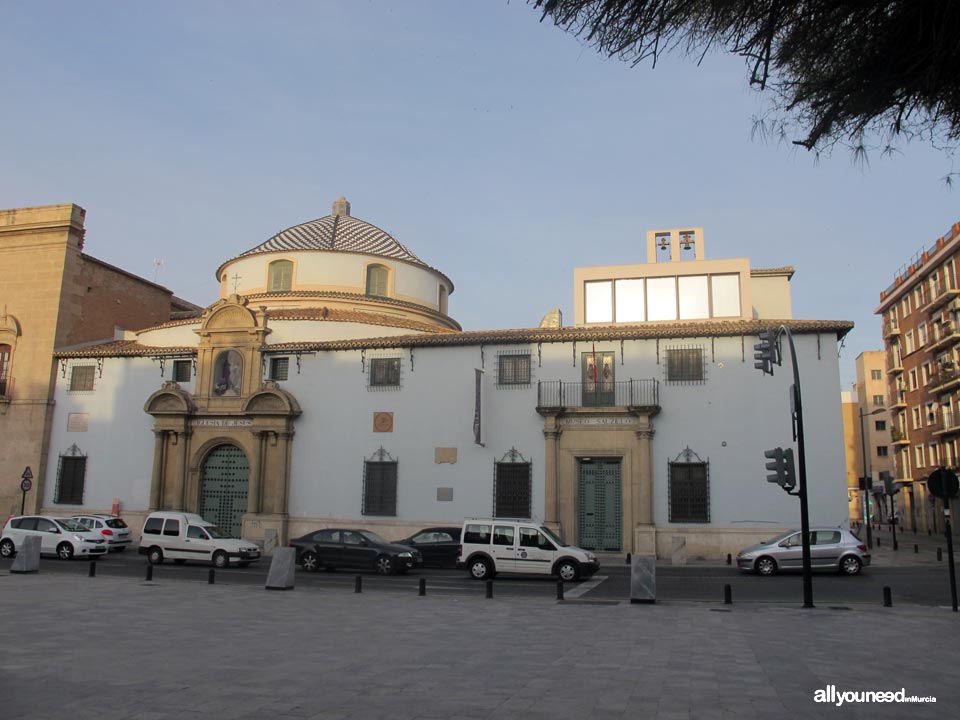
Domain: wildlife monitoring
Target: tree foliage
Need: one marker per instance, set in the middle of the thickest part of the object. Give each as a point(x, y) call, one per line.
point(855, 72)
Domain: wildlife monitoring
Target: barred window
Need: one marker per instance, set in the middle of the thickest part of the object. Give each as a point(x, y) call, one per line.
point(279, 368)
point(70, 477)
point(513, 370)
point(685, 365)
point(81, 378)
point(182, 370)
point(384, 372)
point(512, 490)
point(689, 492)
point(379, 488)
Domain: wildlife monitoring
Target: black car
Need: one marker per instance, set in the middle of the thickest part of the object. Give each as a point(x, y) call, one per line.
point(440, 546)
point(349, 548)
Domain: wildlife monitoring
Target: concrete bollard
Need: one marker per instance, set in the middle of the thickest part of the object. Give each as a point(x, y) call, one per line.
point(93, 568)
point(149, 572)
point(727, 595)
point(423, 587)
point(358, 584)
point(559, 589)
point(489, 589)
point(887, 596)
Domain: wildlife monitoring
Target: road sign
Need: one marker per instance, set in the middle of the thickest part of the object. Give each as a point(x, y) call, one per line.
point(943, 483)
point(26, 480)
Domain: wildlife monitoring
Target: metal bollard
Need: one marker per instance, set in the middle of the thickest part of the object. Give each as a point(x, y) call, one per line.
point(916, 548)
point(211, 576)
point(93, 568)
point(727, 595)
point(939, 554)
point(358, 584)
point(729, 559)
point(423, 586)
point(489, 589)
point(628, 559)
point(149, 572)
point(887, 596)
point(878, 541)
point(559, 589)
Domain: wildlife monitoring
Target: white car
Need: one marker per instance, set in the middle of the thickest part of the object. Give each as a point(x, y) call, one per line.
point(113, 529)
point(63, 537)
point(182, 536)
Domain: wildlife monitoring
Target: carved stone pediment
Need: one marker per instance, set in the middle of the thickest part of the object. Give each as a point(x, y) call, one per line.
point(170, 399)
point(228, 314)
point(271, 400)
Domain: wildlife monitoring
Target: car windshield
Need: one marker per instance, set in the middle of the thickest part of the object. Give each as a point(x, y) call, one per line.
point(217, 533)
point(373, 537)
point(71, 525)
point(546, 531)
point(778, 538)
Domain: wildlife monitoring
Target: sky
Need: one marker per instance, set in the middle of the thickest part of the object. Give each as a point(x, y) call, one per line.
point(496, 147)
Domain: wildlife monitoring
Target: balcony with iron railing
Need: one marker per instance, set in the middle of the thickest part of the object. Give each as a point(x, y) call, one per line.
point(894, 362)
point(556, 394)
point(943, 292)
point(947, 422)
point(898, 399)
point(946, 378)
point(899, 437)
point(946, 335)
point(891, 328)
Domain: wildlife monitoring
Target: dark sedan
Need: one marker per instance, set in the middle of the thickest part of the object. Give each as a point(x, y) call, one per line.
point(359, 549)
point(440, 546)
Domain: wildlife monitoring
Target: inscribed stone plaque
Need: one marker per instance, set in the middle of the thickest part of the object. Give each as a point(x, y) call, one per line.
point(78, 422)
point(444, 494)
point(445, 455)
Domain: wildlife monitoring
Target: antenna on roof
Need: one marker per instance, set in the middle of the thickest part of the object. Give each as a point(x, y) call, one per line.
point(157, 264)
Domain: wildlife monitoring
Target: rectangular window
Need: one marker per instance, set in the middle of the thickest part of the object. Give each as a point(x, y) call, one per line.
point(662, 298)
point(279, 368)
point(878, 400)
point(685, 365)
point(513, 370)
point(70, 478)
point(725, 295)
point(916, 418)
point(876, 375)
point(881, 425)
point(380, 488)
point(689, 493)
point(599, 302)
point(694, 297)
point(918, 456)
point(182, 370)
point(881, 451)
point(905, 305)
point(629, 298)
point(934, 454)
point(921, 334)
point(81, 378)
point(926, 374)
point(512, 490)
point(385, 372)
point(913, 378)
point(908, 342)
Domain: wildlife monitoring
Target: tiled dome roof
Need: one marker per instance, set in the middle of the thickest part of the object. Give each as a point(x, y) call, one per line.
point(338, 232)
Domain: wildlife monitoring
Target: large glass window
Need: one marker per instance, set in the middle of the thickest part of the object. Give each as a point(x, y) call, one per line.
point(631, 305)
point(599, 302)
point(694, 297)
point(662, 298)
point(725, 295)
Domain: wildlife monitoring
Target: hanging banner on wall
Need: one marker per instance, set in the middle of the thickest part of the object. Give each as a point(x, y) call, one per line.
point(476, 408)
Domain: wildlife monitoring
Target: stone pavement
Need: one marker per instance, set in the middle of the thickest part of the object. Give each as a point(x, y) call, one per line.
point(122, 648)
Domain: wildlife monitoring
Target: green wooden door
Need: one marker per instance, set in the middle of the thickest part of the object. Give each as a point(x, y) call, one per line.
point(223, 488)
point(601, 513)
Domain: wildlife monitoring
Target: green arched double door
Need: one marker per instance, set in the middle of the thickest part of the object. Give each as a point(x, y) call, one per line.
point(224, 487)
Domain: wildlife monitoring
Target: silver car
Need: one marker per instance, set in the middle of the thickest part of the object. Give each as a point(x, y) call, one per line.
point(830, 548)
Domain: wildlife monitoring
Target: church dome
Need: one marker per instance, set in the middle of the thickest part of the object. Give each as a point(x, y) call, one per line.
point(337, 232)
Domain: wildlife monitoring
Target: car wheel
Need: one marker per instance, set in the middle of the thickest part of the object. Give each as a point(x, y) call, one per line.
point(850, 565)
point(7, 549)
point(568, 571)
point(766, 566)
point(179, 561)
point(220, 559)
point(155, 556)
point(310, 562)
point(480, 569)
point(65, 551)
point(384, 565)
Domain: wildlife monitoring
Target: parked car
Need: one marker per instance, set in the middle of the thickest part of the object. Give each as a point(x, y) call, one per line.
point(63, 537)
point(830, 548)
point(334, 548)
point(440, 546)
point(113, 529)
point(182, 536)
point(522, 546)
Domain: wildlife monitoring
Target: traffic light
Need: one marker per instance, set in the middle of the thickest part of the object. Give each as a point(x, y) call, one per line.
point(784, 473)
point(765, 352)
point(890, 486)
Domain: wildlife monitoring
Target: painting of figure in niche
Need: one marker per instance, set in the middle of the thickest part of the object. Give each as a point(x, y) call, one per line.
point(227, 373)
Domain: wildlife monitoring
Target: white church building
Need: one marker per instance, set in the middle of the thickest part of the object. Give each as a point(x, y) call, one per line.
point(329, 386)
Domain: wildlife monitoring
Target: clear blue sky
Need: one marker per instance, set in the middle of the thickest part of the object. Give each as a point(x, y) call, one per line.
point(496, 147)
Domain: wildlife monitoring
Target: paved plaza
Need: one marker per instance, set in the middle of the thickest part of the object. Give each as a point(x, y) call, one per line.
point(115, 648)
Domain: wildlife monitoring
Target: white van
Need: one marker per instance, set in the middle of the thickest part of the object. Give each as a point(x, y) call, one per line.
point(184, 536)
point(522, 546)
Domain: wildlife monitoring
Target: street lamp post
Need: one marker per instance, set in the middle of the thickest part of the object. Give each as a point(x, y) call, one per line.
point(866, 478)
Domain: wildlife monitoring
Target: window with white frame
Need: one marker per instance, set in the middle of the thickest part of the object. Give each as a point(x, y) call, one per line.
point(280, 276)
point(925, 373)
point(905, 305)
point(918, 456)
point(876, 375)
point(917, 424)
point(878, 400)
point(913, 378)
point(908, 342)
point(933, 454)
point(930, 413)
point(921, 334)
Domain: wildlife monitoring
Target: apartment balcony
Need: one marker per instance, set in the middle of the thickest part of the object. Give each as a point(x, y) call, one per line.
point(943, 293)
point(899, 437)
point(949, 336)
point(943, 380)
point(894, 363)
point(553, 395)
point(6, 388)
point(947, 423)
point(899, 400)
point(891, 329)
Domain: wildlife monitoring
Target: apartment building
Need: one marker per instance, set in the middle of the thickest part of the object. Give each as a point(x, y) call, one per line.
point(921, 333)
